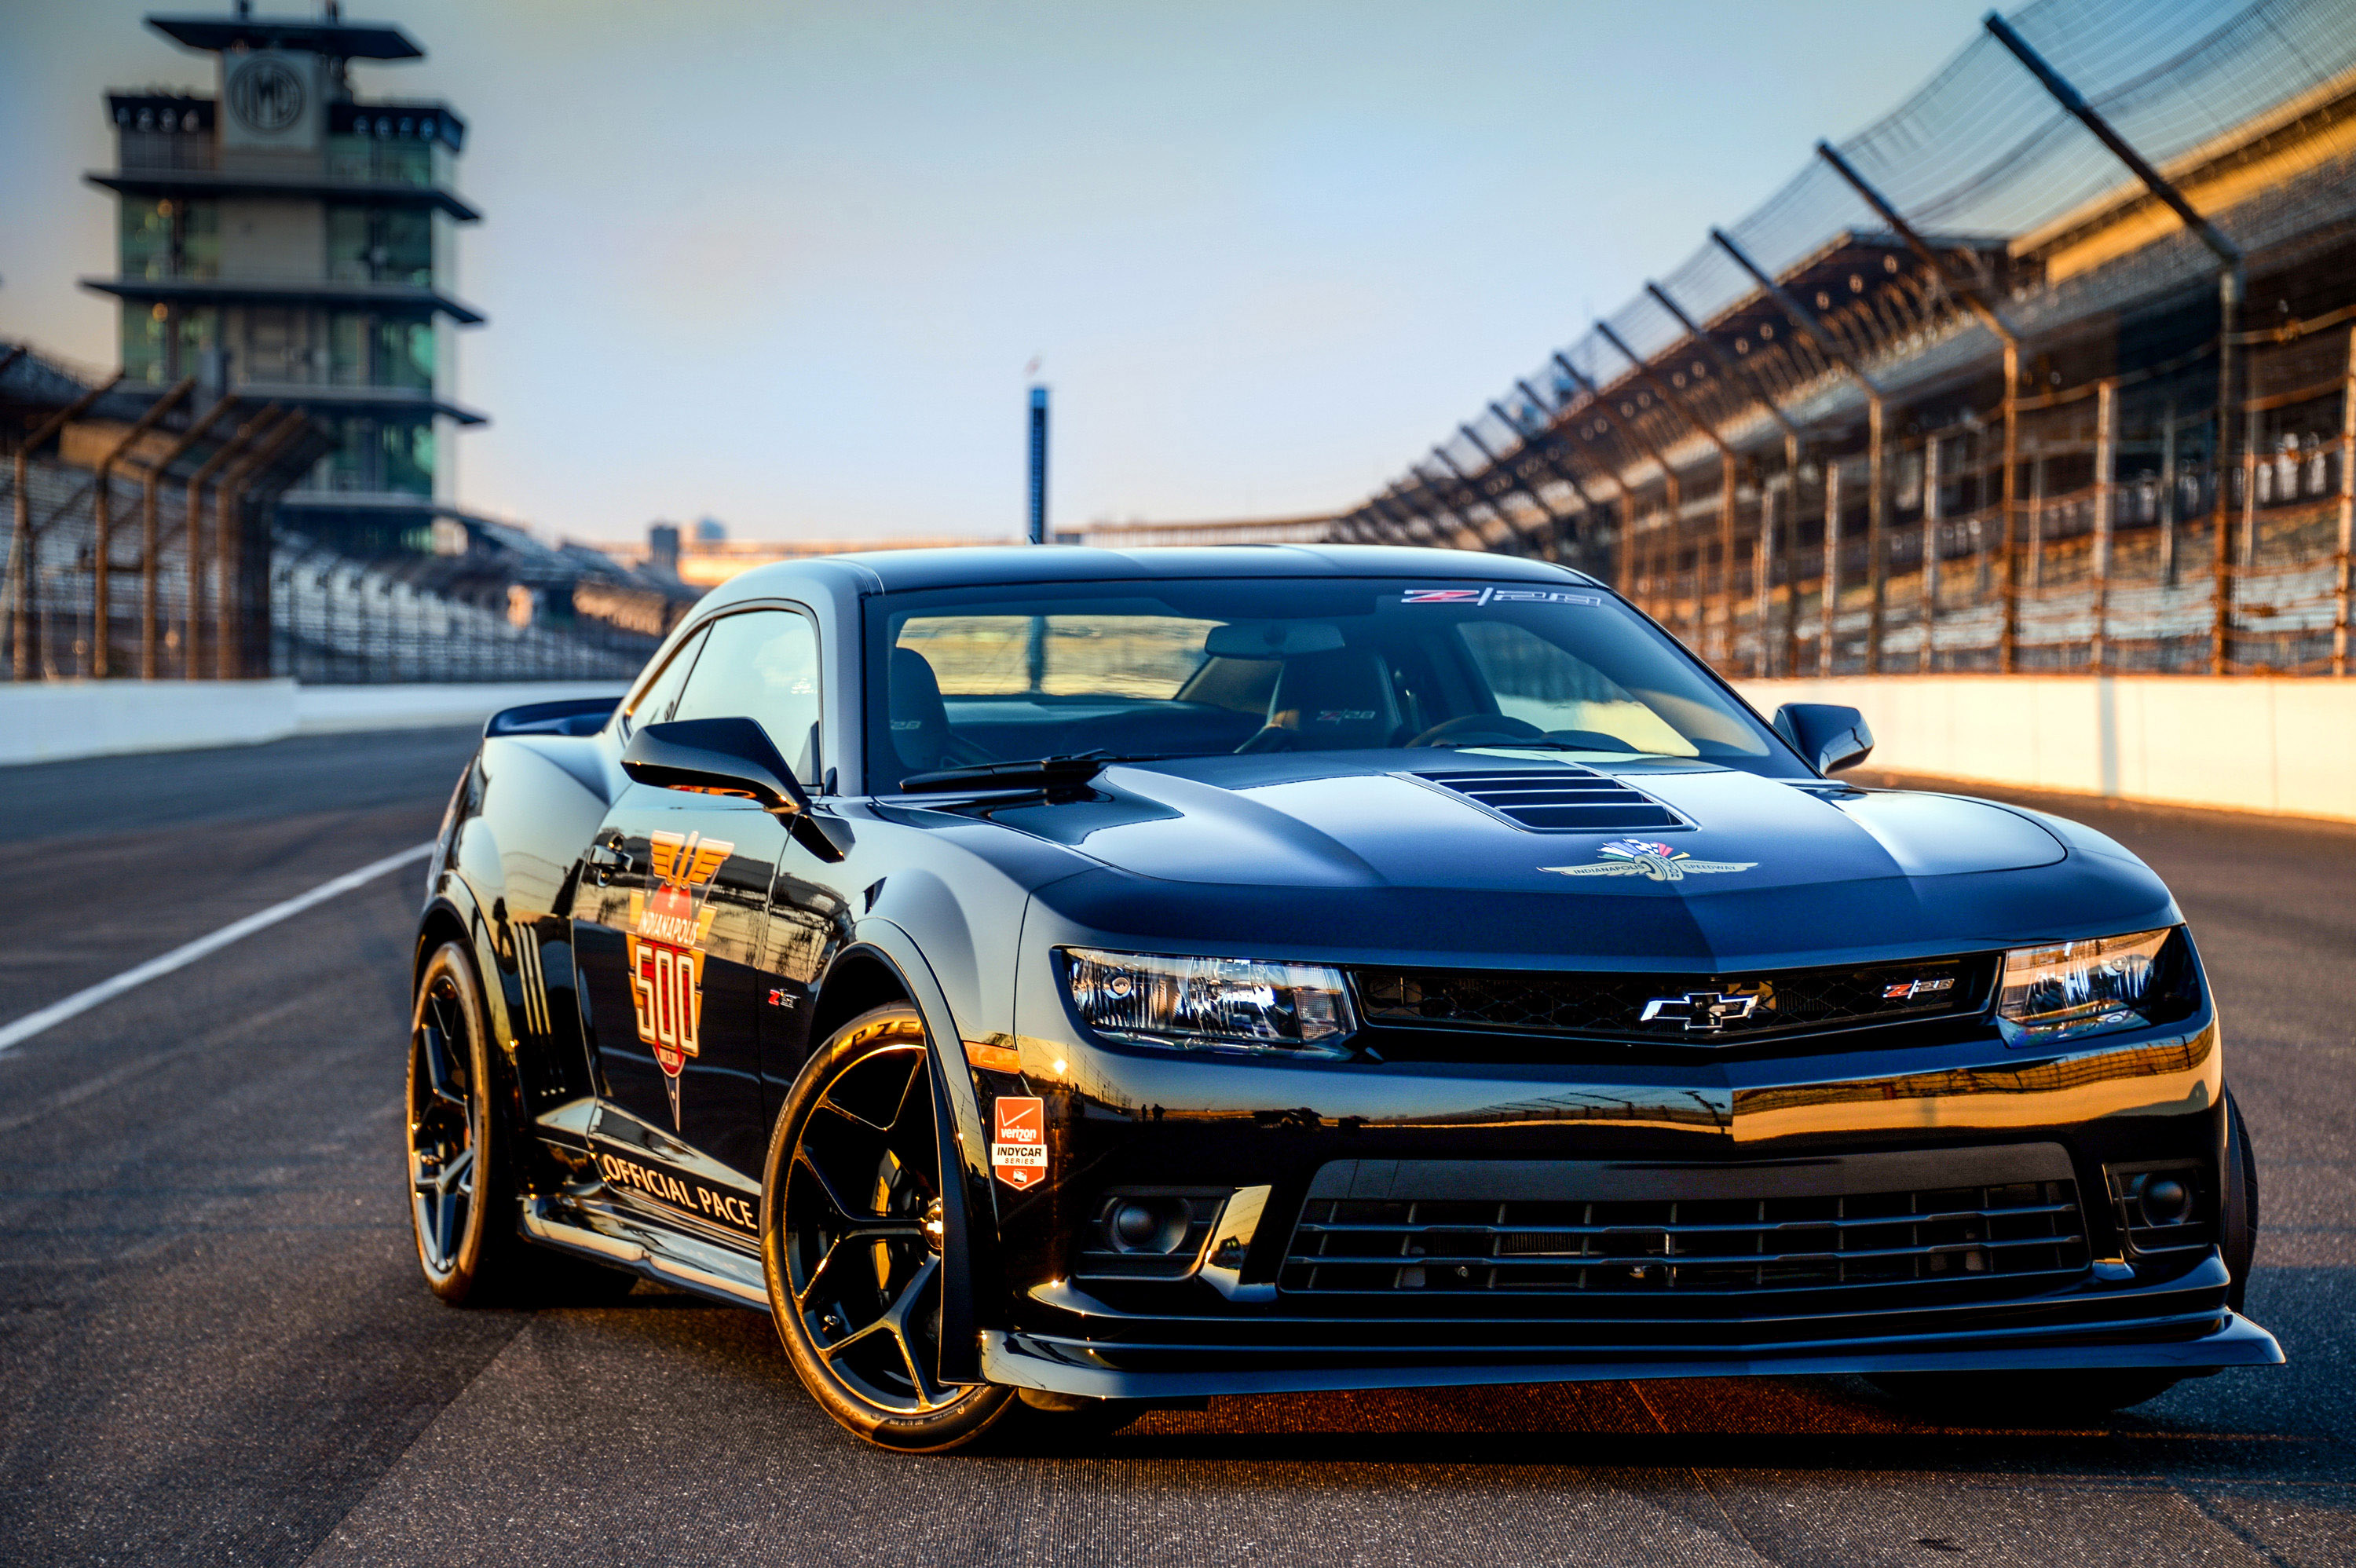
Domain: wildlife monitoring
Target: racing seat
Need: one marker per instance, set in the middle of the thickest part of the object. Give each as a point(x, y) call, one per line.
point(921, 737)
point(1338, 699)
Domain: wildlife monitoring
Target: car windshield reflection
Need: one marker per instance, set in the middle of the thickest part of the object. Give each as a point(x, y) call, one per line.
point(978, 677)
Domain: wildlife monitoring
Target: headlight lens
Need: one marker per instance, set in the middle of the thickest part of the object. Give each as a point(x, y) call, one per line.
point(1211, 1004)
point(2070, 989)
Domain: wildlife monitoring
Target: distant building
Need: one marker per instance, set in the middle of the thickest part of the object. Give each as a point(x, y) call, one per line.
point(293, 241)
point(1242, 530)
point(704, 556)
point(699, 560)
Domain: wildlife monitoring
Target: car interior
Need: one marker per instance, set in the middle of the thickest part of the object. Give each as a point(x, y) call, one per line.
point(1355, 683)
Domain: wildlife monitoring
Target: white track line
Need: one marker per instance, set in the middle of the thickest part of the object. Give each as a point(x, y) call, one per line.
point(31, 1024)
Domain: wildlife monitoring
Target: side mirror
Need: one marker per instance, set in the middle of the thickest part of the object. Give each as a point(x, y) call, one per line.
point(725, 756)
point(1829, 738)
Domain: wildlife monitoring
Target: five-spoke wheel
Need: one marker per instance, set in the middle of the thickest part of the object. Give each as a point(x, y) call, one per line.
point(851, 1239)
point(448, 1126)
point(463, 1192)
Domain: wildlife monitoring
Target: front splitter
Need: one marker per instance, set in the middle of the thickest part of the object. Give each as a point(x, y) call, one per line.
point(1091, 1368)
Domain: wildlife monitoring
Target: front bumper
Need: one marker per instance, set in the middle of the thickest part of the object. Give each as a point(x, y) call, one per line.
point(1942, 1108)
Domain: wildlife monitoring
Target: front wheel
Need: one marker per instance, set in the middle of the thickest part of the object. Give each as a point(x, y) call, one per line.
point(852, 1246)
point(850, 1240)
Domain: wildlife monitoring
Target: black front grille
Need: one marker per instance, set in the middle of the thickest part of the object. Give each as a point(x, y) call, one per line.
point(1709, 1241)
point(1692, 1009)
point(1563, 799)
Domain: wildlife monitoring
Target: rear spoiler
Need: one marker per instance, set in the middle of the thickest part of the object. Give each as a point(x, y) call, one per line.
point(575, 716)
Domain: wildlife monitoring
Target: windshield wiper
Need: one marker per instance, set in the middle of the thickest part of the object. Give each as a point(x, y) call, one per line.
point(1060, 772)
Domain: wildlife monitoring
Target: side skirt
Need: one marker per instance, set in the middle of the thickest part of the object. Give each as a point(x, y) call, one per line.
point(614, 1235)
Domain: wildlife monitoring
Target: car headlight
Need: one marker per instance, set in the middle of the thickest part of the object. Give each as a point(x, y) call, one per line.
point(2069, 989)
point(1211, 1004)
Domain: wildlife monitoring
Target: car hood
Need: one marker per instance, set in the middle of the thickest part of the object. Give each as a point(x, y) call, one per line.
point(1752, 865)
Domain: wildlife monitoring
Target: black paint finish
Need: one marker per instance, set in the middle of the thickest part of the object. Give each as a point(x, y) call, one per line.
point(1361, 859)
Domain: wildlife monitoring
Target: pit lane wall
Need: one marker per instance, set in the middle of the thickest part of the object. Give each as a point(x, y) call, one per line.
point(56, 721)
point(2286, 747)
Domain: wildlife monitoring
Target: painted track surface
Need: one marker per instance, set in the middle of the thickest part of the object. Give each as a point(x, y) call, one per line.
point(213, 1347)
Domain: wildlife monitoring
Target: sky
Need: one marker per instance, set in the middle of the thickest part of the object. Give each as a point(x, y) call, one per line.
point(784, 265)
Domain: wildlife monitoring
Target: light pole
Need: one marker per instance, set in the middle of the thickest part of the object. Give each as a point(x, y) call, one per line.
point(1038, 464)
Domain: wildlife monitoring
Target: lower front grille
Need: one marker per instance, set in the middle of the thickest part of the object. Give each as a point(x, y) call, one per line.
point(1801, 1226)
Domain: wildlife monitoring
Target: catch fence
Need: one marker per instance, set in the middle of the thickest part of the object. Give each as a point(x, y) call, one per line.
point(271, 603)
point(1968, 393)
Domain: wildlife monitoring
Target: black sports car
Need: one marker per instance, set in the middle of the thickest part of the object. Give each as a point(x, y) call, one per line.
point(1057, 982)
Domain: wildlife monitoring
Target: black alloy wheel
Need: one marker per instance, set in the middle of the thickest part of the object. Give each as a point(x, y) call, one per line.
point(450, 1162)
point(463, 1194)
point(852, 1246)
point(850, 1240)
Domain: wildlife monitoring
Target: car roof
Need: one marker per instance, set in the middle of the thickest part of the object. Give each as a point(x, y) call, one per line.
point(890, 572)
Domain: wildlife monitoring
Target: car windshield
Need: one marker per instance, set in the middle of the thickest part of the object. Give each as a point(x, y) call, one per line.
point(1205, 666)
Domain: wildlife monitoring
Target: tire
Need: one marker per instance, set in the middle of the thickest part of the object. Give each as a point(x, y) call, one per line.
point(851, 1248)
point(464, 1198)
point(2017, 1396)
point(2239, 1241)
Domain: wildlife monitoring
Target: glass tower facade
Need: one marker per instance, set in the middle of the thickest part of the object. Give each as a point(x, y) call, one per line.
point(295, 239)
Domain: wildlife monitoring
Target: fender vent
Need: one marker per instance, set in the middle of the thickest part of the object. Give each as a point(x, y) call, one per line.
point(1560, 800)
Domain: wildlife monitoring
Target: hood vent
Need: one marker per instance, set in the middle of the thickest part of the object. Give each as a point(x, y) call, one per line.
point(1560, 800)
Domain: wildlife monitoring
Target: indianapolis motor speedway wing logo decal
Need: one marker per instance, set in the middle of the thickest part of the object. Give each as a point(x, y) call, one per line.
point(666, 949)
point(1636, 858)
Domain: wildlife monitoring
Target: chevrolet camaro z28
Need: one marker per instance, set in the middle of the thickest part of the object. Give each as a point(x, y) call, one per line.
point(1057, 982)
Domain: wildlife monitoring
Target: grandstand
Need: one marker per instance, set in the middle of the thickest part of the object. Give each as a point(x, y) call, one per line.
point(2052, 369)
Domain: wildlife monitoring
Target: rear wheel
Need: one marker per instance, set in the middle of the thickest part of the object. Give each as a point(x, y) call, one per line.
point(851, 1246)
point(2032, 1395)
point(453, 1181)
point(462, 1195)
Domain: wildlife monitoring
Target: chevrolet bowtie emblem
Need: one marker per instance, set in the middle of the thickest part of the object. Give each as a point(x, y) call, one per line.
point(1710, 1011)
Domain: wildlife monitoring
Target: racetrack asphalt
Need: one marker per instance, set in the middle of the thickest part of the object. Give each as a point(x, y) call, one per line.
point(214, 1347)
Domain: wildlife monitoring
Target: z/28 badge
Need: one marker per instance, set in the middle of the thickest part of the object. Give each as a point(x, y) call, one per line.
point(666, 949)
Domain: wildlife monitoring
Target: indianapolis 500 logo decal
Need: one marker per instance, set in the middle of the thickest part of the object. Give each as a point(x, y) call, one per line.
point(666, 947)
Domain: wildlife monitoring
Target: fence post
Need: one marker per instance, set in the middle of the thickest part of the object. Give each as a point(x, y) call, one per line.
point(1763, 573)
point(2340, 564)
point(2106, 399)
point(1932, 507)
point(2168, 482)
point(2220, 628)
point(2247, 551)
point(1876, 540)
point(2007, 656)
point(1829, 599)
point(1789, 552)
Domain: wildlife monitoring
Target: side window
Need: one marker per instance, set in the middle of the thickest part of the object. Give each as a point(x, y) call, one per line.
point(654, 704)
point(761, 664)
